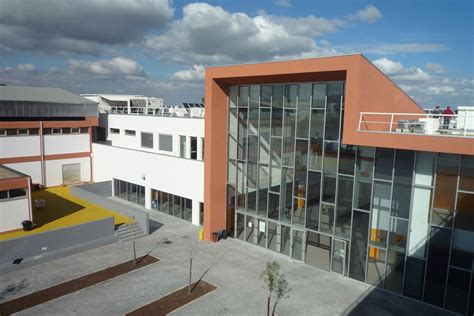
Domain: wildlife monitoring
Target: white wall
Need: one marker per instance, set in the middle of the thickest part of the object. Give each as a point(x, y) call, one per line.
point(19, 146)
point(33, 169)
point(54, 170)
point(183, 177)
point(12, 213)
point(175, 126)
point(64, 144)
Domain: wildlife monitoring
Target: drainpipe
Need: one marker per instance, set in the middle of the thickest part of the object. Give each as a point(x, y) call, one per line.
point(43, 177)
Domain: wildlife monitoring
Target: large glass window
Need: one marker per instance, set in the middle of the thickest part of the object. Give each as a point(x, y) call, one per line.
point(333, 113)
point(277, 98)
point(240, 226)
point(384, 164)
point(264, 135)
point(380, 214)
point(165, 142)
point(291, 92)
point(319, 95)
point(182, 146)
point(254, 96)
point(414, 276)
point(457, 291)
point(265, 96)
point(347, 159)
point(242, 134)
point(147, 140)
point(253, 121)
point(360, 234)
point(344, 207)
point(438, 255)
point(466, 181)
point(376, 267)
point(425, 168)
point(314, 191)
point(304, 96)
point(316, 140)
point(244, 96)
point(289, 138)
point(318, 250)
point(327, 219)
point(445, 190)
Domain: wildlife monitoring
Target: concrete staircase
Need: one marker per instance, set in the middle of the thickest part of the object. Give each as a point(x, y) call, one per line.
point(129, 232)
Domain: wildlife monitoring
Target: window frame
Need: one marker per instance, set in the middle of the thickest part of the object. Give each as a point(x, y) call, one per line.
point(152, 140)
point(113, 130)
point(128, 132)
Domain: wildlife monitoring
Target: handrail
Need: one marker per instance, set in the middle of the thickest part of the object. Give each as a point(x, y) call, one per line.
point(456, 125)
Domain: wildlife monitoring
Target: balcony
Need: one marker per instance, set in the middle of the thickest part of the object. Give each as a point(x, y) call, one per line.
point(457, 125)
point(159, 111)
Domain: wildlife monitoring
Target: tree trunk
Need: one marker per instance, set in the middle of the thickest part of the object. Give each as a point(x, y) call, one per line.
point(268, 306)
point(274, 307)
point(190, 275)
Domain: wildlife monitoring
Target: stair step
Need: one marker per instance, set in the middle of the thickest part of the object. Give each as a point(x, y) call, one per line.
point(129, 238)
point(129, 233)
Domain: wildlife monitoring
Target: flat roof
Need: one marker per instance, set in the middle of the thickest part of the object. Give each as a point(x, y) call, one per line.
point(41, 94)
point(8, 173)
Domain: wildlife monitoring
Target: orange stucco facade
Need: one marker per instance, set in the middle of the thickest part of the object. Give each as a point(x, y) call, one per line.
point(367, 90)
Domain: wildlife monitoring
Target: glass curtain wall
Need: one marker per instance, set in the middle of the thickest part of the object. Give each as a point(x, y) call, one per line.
point(129, 191)
point(397, 219)
point(172, 204)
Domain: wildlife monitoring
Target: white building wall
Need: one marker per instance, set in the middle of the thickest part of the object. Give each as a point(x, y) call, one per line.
point(19, 146)
point(183, 177)
point(156, 125)
point(33, 169)
point(64, 144)
point(54, 170)
point(12, 213)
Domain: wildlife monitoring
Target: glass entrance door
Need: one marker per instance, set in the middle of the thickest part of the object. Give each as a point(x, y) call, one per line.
point(338, 256)
point(297, 243)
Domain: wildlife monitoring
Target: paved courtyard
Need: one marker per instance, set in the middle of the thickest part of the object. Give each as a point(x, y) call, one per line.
point(234, 267)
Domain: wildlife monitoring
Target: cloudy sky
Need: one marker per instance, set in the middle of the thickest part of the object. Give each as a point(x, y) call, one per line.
point(161, 48)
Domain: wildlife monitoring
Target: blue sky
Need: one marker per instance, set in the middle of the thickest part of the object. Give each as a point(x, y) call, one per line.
point(161, 48)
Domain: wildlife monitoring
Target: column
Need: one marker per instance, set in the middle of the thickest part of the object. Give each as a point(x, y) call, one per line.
point(195, 217)
point(147, 198)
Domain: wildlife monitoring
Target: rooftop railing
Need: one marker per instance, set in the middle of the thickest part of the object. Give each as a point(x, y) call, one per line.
point(453, 125)
point(162, 112)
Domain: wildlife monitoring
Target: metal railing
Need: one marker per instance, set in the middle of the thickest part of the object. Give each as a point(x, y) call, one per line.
point(455, 125)
point(162, 111)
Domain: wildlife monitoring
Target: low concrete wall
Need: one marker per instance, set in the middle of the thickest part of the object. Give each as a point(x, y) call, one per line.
point(99, 193)
point(54, 244)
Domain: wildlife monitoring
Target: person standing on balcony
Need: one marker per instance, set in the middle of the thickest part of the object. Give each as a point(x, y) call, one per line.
point(436, 111)
point(447, 114)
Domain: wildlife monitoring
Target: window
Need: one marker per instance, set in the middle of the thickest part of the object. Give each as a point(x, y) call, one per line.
point(33, 131)
point(112, 131)
point(3, 195)
point(12, 132)
point(182, 146)
point(17, 193)
point(14, 193)
point(56, 131)
point(75, 130)
point(3, 132)
point(130, 132)
point(194, 148)
point(66, 130)
point(147, 140)
point(165, 142)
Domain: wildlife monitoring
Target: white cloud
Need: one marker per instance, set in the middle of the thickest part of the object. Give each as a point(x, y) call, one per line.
point(118, 66)
point(369, 14)
point(283, 3)
point(428, 87)
point(196, 73)
point(397, 71)
point(439, 90)
point(435, 68)
point(78, 26)
point(388, 49)
point(208, 34)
